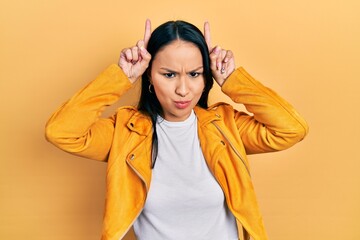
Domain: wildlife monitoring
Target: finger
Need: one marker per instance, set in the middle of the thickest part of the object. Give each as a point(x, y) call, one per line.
point(147, 33)
point(135, 55)
point(140, 45)
point(213, 56)
point(226, 62)
point(219, 59)
point(122, 57)
point(146, 57)
point(143, 52)
point(207, 35)
point(128, 55)
point(223, 63)
point(228, 56)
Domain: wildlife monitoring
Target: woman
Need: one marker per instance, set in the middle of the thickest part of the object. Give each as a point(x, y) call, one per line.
point(177, 169)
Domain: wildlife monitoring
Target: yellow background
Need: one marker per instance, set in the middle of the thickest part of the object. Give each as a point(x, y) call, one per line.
point(308, 51)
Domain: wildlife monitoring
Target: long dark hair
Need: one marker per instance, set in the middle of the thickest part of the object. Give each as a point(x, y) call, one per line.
point(161, 37)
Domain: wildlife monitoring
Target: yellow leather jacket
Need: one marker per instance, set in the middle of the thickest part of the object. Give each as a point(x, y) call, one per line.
point(124, 141)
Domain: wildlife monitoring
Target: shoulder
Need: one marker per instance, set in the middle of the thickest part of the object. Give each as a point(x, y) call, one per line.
point(219, 111)
point(133, 119)
point(223, 109)
point(125, 109)
point(128, 112)
point(227, 113)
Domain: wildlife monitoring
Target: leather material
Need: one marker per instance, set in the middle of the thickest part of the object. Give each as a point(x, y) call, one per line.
point(226, 137)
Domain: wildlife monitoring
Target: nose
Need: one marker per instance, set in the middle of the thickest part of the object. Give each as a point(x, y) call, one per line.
point(182, 88)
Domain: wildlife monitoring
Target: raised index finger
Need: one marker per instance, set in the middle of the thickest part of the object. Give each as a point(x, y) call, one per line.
point(147, 32)
point(207, 34)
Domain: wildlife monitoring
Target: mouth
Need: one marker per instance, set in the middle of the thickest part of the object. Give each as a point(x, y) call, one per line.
point(182, 104)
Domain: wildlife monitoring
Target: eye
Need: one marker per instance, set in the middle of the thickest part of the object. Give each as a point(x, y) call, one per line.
point(194, 74)
point(169, 75)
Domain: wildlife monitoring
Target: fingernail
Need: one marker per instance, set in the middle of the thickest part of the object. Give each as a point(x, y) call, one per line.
point(216, 50)
point(226, 60)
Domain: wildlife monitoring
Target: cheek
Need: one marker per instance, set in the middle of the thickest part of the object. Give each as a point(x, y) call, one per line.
point(162, 90)
point(161, 94)
point(199, 87)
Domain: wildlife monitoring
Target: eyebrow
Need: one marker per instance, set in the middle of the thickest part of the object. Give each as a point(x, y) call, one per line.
point(169, 70)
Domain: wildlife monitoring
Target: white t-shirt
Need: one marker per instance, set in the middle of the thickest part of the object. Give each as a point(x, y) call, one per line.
point(184, 202)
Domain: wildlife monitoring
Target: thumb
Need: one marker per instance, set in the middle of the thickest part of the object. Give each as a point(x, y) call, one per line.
point(213, 57)
point(143, 52)
point(145, 56)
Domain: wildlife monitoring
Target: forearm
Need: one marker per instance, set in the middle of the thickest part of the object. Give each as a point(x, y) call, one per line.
point(276, 123)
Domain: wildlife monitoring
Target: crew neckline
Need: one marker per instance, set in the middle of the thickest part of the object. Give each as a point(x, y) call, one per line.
point(186, 122)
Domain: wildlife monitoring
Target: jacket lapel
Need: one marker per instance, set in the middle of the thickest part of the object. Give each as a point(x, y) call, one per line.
point(210, 138)
point(139, 158)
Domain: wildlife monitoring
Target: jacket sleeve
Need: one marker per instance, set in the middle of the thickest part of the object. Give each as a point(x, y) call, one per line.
point(77, 127)
point(275, 125)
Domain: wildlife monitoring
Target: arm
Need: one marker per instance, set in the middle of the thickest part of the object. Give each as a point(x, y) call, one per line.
point(76, 127)
point(275, 124)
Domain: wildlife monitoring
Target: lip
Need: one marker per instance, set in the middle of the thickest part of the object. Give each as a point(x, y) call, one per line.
point(182, 104)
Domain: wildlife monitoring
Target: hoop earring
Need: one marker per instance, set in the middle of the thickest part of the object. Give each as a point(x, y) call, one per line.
point(150, 88)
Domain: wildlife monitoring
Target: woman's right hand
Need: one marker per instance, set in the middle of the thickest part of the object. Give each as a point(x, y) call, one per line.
point(135, 60)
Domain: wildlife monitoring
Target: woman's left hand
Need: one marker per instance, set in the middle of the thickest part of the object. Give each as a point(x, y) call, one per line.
point(222, 62)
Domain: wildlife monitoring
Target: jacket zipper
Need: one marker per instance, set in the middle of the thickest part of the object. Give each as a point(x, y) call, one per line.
point(142, 179)
point(242, 160)
point(147, 190)
point(233, 148)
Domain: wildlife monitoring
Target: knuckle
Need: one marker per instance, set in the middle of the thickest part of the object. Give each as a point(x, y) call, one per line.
point(140, 43)
point(124, 50)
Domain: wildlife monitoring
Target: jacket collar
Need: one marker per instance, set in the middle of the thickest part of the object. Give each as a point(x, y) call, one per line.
point(140, 124)
point(206, 116)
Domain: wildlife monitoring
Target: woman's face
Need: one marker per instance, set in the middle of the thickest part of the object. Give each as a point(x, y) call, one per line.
point(177, 76)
